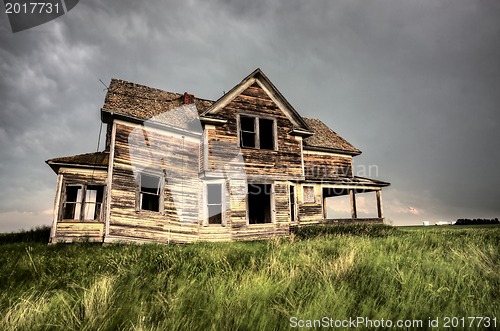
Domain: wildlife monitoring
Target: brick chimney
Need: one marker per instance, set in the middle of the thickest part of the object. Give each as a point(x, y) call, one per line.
point(188, 98)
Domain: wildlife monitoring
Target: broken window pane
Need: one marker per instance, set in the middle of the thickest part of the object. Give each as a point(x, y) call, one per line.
point(150, 192)
point(247, 131)
point(257, 132)
point(247, 123)
point(72, 205)
point(248, 139)
point(150, 184)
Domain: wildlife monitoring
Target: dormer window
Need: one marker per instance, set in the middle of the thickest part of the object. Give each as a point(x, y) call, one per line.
point(257, 132)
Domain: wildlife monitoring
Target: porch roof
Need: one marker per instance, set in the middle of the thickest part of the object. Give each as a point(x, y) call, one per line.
point(348, 181)
point(88, 160)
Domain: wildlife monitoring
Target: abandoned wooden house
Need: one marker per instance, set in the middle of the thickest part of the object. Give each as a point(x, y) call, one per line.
point(177, 168)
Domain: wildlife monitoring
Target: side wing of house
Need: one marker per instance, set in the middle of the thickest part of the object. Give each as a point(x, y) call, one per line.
point(79, 207)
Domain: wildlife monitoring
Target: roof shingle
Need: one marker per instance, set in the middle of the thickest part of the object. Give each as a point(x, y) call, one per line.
point(99, 159)
point(326, 138)
point(147, 103)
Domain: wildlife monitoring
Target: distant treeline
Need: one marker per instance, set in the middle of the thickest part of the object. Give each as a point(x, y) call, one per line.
point(467, 221)
point(39, 234)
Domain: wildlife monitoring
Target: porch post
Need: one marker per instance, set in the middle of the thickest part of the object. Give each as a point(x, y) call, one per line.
point(354, 212)
point(379, 204)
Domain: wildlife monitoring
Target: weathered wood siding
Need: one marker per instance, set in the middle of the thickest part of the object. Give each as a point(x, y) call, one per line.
point(310, 212)
point(144, 149)
point(239, 228)
point(79, 231)
point(324, 166)
point(83, 176)
point(225, 154)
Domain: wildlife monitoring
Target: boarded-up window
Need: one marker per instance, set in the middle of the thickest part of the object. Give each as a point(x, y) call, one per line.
point(257, 132)
point(83, 202)
point(214, 203)
point(309, 196)
point(150, 192)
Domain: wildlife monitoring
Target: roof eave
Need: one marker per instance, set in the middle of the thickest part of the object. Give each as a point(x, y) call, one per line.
point(211, 120)
point(332, 150)
point(55, 166)
point(277, 94)
point(109, 115)
point(299, 132)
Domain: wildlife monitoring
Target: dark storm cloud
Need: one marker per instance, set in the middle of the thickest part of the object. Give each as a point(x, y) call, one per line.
point(414, 84)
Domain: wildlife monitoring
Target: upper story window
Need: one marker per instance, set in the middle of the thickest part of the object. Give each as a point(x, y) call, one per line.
point(149, 192)
point(83, 202)
point(257, 132)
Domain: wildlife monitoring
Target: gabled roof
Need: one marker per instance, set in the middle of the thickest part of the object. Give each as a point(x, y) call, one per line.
point(151, 104)
point(257, 76)
point(88, 160)
point(143, 103)
point(325, 139)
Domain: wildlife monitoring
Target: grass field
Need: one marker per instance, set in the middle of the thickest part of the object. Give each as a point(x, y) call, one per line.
point(376, 272)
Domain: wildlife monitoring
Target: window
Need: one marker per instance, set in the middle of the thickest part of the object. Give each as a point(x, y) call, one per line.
point(259, 203)
point(93, 202)
point(214, 203)
point(248, 132)
point(83, 202)
point(257, 132)
point(309, 196)
point(150, 192)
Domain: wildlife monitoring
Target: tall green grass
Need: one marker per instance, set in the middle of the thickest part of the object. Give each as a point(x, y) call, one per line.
point(401, 274)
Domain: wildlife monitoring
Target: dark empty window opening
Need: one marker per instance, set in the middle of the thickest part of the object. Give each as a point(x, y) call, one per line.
point(259, 203)
point(150, 190)
point(266, 131)
point(83, 203)
point(247, 131)
point(257, 132)
point(73, 204)
point(292, 203)
point(214, 203)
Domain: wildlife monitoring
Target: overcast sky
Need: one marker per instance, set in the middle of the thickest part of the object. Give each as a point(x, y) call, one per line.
point(414, 84)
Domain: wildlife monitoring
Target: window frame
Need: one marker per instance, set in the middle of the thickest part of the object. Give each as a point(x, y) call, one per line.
point(206, 216)
point(82, 203)
point(292, 200)
point(139, 193)
point(256, 132)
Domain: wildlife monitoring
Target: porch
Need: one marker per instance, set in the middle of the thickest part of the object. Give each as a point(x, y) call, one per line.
point(359, 199)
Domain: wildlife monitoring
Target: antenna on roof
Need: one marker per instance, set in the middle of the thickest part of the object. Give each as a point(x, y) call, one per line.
point(106, 87)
